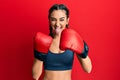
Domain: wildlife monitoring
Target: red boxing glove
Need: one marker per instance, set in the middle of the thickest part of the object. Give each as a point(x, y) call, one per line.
point(42, 42)
point(70, 39)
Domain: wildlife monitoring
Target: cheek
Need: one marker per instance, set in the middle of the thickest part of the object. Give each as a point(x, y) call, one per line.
point(63, 24)
point(52, 23)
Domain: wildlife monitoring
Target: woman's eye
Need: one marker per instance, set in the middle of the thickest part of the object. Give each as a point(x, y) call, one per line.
point(61, 19)
point(52, 19)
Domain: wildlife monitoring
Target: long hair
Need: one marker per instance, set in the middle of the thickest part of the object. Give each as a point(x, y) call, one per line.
point(57, 7)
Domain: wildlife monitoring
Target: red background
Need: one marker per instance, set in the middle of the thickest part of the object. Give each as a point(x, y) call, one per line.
point(98, 22)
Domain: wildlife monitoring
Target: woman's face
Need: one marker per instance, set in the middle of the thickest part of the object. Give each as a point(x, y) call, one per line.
point(58, 21)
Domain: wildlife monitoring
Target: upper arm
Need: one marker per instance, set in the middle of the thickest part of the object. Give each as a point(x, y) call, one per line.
point(37, 65)
point(37, 68)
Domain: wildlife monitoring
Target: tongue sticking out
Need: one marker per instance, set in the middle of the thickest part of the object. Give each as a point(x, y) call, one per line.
point(57, 30)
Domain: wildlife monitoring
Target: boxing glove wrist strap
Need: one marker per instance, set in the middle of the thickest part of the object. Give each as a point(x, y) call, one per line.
point(85, 51)
point(39, 55)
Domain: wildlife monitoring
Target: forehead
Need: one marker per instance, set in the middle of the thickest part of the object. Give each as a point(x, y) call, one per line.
point(58, 13)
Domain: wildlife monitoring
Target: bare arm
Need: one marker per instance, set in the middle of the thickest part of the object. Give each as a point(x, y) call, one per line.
point(37, 69)
point(86, 63)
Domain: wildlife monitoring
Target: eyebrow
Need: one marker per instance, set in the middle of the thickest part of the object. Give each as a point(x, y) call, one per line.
point(60, 18)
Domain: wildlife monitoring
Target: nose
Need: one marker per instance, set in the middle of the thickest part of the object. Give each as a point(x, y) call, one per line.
point(57, 24)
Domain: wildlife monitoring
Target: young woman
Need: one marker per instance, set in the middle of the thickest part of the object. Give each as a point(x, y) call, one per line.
point(55, 52)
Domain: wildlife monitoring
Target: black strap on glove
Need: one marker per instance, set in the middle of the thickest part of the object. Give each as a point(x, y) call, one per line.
point(85, 51)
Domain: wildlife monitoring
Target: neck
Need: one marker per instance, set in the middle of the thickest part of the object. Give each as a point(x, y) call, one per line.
point(57, 36)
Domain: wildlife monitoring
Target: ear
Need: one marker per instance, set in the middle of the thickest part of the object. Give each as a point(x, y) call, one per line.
point(68, 20)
